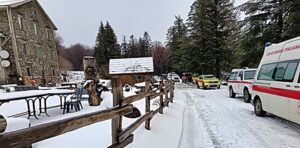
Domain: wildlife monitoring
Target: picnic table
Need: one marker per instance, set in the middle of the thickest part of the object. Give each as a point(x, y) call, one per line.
point(32, 96)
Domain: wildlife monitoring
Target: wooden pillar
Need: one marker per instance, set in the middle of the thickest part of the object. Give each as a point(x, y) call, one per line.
point(147, 102)
point(161, 98)
point(90, 73)
point(166, 93)
point(172, 87)
point(3, 124)
point(116, 124)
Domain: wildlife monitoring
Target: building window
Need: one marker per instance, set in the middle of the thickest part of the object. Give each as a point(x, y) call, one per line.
point(21, 21)
point(35, 28)
point(24, 49)
point(48, 33)
point(34, 14)
point(28, 71)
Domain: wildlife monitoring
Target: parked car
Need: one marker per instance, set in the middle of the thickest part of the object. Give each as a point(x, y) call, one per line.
point(164, 76)
point(186, 77)
point(276, 87)
point(174, 77)
point(208, 81)
point(224, 82)
point(195, 77)
point(157, 78)
point(240, 82)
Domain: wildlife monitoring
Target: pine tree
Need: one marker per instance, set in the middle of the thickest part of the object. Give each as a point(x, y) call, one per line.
point(133, 47)
point(124, 48)
point(99, 50)
point(176, 35)
point(107, 46)
point(267, 21)
point(264, 23)
point(212, 26)
point(146, 45)
point(292, 19)
point(112, 46)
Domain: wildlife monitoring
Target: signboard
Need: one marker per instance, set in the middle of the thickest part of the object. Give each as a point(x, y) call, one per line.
point(131, 65)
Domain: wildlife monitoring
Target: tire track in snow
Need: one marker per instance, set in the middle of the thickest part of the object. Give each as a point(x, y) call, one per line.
point(236, 119)
point(195, 134)
point(203, 117)
point(233, 124)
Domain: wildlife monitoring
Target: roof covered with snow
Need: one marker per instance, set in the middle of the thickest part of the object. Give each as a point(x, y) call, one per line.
point(131, 65)
point(17, 3)
point(13, 2)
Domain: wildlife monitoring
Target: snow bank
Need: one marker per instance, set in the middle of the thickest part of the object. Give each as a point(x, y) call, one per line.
point(165, 129)
point(142, 84)
point(14, 124)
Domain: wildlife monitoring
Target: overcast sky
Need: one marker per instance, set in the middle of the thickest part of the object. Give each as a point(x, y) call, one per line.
point(78, 20)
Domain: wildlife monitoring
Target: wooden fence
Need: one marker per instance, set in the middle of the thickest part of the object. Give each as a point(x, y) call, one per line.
point(122, 106)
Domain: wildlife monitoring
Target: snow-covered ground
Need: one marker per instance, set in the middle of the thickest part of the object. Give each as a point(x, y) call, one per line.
point(197, 118)
point(212, 119)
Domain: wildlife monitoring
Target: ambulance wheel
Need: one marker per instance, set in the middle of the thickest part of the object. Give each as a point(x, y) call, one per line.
point(258, 109)
point(231, 93)
point(247, 96)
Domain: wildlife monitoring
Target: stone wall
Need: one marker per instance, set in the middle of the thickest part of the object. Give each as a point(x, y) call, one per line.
point(37, 53)
point(11, 71)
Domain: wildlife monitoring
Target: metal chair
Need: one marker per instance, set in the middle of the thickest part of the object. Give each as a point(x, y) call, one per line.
point(74, 101)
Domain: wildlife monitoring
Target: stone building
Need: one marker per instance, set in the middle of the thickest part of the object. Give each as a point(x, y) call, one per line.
point(29, 39)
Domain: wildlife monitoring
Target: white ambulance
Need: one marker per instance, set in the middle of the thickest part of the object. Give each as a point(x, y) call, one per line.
point(240, 82)
point(276, 87)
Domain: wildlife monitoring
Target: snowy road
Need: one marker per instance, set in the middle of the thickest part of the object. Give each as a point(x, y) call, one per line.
point(212, 119)
point(197, 119)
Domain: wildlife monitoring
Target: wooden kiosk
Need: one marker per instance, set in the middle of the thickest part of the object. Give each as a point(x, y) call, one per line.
point(128, 66)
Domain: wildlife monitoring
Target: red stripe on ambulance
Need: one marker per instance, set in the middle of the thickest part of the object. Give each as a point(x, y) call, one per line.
point(243, 82)
point(278, 91)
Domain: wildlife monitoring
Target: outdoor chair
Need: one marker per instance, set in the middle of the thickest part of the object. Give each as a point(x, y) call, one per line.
point(74, 101)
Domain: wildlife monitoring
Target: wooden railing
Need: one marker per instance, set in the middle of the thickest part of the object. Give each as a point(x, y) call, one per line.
point(122, 106)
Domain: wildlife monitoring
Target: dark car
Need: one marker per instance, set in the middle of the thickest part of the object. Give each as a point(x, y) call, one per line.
point(187, 77)
point(164, 76)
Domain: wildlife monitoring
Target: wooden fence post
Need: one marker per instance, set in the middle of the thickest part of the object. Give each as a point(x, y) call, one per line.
point(147, 102)
point(166, 93)
point(116, 124)
point(171, 91)
point(161, 98)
